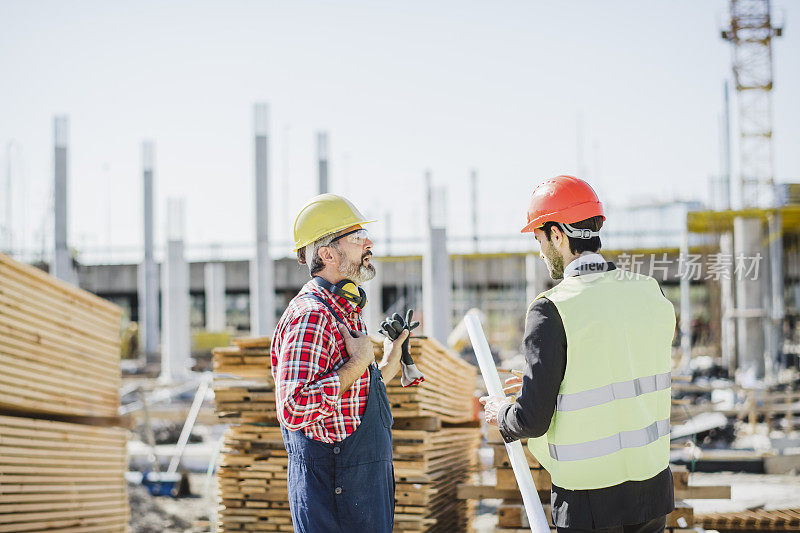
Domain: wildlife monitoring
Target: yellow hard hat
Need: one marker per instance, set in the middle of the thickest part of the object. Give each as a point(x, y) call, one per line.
point(322, 215)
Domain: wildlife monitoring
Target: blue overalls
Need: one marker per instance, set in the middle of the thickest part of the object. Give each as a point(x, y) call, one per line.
point(347, 486)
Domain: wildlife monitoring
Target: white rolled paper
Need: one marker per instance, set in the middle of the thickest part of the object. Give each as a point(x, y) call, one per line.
point(533, 506)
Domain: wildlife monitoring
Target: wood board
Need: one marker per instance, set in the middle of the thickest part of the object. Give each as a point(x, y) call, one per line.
point(61, 476)
point(59, 346)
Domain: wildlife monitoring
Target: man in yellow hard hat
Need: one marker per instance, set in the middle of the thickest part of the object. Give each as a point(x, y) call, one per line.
point(330, 394)
point(594, 398)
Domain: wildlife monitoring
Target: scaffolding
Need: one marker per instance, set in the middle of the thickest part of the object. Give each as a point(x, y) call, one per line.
point(751, 31)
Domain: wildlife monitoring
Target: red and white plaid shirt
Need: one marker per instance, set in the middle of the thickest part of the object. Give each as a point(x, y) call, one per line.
point(306, 350)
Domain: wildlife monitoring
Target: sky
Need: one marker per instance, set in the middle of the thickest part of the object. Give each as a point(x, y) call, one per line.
point(627, 94)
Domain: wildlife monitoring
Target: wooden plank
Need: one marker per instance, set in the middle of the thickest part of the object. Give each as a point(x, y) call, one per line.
point(61, 476)
point(507, 480)
point(69, 291)
point(707, 492)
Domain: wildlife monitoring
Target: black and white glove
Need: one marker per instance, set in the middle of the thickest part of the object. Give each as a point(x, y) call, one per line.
point(392, 327)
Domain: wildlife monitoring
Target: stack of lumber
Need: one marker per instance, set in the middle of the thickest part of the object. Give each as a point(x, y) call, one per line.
point(448, 388)
point(432, 454)
point(247, 396)
point(61, 476)
point(247, 358)
point(433, 450)
point(252, 468)
point(428, 467)
point(61, 467)
point(59, 345)
point(252, 480)
point(511, 513)
point(758, 520)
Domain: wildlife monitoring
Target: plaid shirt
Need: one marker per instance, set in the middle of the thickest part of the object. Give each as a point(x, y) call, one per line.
point(306, 350)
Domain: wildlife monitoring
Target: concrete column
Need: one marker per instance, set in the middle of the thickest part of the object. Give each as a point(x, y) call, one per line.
point(747, 235)
point(436, 290)
point(374, 311)
point(728, 325)
point(148, 270)
point(175, 355)
point(62, 262)
point(262, 282)
point(686, 304)
point(436, 281)
point(322, 161)
point(215, 296)
point(777, 310)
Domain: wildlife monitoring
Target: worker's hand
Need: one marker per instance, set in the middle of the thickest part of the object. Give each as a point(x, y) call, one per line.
point(359, 348)
point(513, 385)
point(491, 406)
point(393, 349)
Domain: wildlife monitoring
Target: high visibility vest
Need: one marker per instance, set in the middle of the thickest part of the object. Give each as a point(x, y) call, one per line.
point(611, 422)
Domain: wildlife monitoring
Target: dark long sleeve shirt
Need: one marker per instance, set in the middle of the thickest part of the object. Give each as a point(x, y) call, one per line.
point(545, 347)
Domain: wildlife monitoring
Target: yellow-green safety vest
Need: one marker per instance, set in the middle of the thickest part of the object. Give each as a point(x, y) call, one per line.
point(611, 422)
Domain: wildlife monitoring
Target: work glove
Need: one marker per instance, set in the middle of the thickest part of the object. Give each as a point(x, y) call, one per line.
point(392, 327)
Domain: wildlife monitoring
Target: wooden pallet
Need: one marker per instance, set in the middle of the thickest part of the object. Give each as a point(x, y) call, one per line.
point(759, 520)
point(59, 346)
point(59, 476)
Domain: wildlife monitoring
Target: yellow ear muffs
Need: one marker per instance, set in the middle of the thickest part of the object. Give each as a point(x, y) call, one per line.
point(351, 292)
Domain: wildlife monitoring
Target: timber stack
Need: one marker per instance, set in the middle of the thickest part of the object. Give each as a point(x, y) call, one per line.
point(62, 454)
point(252, 469)
point(755, 520)
point(435, 441)
point(511, 512)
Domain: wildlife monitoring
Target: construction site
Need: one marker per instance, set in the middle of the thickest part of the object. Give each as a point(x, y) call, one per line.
point(137, 391)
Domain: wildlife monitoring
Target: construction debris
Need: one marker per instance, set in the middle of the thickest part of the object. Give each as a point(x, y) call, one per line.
point(150, 515)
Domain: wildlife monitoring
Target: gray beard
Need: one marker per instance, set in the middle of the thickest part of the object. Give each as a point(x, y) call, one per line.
point(358, 273)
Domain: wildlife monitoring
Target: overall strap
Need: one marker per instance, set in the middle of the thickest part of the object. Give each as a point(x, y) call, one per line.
point(334, 313)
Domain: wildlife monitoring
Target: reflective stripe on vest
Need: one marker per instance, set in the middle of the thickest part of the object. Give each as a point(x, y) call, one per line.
point(611, 444)
point(616, 391)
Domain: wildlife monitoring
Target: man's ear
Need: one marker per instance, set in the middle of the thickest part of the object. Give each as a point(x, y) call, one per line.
point(327, 255)
point(556, 236)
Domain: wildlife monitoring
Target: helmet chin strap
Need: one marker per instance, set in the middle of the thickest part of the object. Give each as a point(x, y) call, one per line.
point(577, 233)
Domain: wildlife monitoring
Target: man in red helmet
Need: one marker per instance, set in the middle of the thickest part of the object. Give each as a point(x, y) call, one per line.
point(594, 398)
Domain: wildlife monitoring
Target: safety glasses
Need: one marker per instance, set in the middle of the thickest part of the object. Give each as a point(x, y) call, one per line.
point(358, 237)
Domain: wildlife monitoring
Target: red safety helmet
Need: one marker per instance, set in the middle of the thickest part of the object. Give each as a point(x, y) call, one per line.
point(563, 199)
